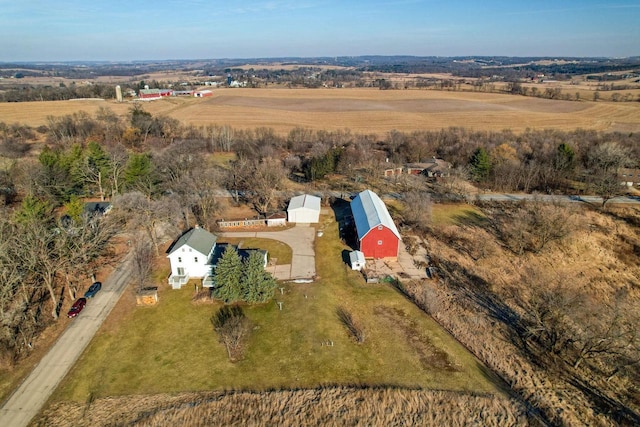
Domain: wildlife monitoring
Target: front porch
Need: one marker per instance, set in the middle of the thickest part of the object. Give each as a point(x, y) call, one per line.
point(176, 281)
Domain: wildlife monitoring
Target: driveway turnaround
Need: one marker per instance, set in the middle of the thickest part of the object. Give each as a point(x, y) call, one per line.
point(27, 400)
point(300, 238)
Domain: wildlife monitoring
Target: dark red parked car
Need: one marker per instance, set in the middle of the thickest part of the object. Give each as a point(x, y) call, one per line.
point(77, 307)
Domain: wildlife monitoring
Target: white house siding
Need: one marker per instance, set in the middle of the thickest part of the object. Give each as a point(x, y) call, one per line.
point(193, 262)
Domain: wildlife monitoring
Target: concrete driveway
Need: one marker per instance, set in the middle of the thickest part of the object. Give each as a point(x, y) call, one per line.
point(300, 239)
point(27, 400)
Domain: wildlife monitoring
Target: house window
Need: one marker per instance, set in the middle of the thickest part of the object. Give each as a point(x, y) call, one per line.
point(179, 259)
point(195, 259)
point(189, 249)
point(379, 242)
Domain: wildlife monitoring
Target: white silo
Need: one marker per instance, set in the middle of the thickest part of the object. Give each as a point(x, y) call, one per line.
point(118, 93)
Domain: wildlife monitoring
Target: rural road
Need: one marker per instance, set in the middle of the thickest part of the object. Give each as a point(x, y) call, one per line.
point(300, 238)
point(499, 197)
point(27, 400)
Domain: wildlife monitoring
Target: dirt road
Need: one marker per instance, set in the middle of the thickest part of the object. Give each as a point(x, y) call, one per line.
point(27, 400)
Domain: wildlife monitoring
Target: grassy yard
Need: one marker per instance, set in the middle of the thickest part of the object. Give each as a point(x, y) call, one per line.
point(172, 347)
point(275, 249)
point(455, 214)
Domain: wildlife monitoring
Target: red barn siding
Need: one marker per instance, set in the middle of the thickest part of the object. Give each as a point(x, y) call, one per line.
point(379, 243)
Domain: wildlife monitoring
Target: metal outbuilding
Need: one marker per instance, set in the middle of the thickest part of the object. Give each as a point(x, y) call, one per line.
point(304, 208)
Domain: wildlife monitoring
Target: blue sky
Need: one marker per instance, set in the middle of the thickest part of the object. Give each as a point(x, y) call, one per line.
point(62, 30)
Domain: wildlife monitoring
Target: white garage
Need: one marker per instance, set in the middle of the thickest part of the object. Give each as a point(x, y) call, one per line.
point(304, 208)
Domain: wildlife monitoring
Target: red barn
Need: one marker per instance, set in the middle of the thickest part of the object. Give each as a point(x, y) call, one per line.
point(378, 236)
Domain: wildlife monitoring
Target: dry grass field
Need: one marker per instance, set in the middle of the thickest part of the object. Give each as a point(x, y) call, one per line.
point(361, 110)
point(596, 262)
point(307, 407)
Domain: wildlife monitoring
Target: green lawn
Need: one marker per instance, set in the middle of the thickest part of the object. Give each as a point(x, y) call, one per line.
point(275, 249)
point(455, 214)
point(172, 347)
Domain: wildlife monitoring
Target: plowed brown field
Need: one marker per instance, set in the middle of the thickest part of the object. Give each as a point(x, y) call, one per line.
point(361, 110)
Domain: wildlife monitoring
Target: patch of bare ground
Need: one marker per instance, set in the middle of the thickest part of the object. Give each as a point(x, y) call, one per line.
point(430, 356)
point(352, 406)
point(480, 282)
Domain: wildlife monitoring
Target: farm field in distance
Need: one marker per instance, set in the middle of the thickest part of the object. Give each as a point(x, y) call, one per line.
point(368, 111)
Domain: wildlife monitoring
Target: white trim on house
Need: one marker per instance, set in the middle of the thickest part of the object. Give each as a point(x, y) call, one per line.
point(190, 256)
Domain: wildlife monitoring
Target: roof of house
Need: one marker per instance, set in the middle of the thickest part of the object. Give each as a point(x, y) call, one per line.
point(277, 215)
point(197, 238)
point(97, 208)
point(305, 201)
point(244, 253)
point(369, 211)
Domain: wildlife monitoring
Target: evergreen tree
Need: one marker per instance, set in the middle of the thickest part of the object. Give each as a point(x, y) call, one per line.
point(480, 165)
point(97, 158)
point(139, 174)
point(257, 284)
point(227, 276)
point(565, 157)
point(34, 210)
point(74, 208)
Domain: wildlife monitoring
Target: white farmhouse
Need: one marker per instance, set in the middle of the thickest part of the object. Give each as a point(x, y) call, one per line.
point(304, 208)
point(190, 256)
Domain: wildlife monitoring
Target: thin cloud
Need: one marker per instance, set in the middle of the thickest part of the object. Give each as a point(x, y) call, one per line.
point(271, 6)
point(573, 9)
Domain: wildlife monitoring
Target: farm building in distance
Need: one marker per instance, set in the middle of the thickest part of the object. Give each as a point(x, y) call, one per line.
point(304, 208)
point(432, 168)
point(151, 94)
point(202, 93)
point(378, 236)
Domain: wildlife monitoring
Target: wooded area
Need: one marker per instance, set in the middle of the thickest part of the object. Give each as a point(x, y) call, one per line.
point(157, 171)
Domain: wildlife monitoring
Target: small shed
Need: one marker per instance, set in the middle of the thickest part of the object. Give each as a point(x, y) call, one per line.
point(277, 219)
point(357, 260)
point(304, 208)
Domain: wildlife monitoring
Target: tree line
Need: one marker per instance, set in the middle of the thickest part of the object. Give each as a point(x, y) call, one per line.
point(156, 170)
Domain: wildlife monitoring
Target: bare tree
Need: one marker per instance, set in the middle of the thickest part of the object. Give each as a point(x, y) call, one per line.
point(233, 329)
point(117, 164)
point(417, 209)
point(140, 212)
point(604, 162)
point(608, 335)
point(355, 330)
point(532, 225)
point(83, 243)
point(259, 181)
point(143, 255)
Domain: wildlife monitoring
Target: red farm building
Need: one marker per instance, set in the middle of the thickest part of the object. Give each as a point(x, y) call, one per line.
point(378, 236)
